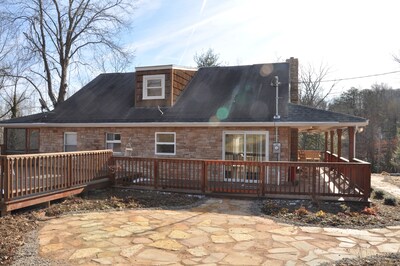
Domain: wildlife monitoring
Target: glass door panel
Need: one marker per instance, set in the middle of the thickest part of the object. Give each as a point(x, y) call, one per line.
point(255, 147)
point(234, 150)
point(234, 147)
point(255, 152)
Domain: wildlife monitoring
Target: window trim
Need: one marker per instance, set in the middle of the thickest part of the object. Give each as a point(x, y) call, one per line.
point(145, 88)
point(70, 132)
point(164, 143)
point(114, 141)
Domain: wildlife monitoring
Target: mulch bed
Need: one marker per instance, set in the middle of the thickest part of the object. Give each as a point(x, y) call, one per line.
point(332, 214)
point(299, 212)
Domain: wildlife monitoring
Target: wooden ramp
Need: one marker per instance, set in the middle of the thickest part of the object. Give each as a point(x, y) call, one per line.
point(27, 180)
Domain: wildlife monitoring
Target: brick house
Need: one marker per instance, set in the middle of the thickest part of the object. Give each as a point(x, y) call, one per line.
point(174, 112)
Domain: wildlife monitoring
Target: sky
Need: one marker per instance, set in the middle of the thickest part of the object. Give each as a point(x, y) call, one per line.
point(353, 38)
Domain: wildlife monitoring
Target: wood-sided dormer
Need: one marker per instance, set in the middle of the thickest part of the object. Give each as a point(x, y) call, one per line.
point(160, 85)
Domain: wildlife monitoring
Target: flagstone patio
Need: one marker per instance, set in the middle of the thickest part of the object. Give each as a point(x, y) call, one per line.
point(220, 231)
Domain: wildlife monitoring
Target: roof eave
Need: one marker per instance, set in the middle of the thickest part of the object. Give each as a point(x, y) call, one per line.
point(193, 124)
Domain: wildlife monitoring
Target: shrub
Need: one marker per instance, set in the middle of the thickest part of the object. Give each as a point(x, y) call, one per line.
point(302, 211)
point(271, 208)
point(392, 201)
point(379, 194)
point(346, 209)
point(369, 210)
point(283, 211)
point(320, 214)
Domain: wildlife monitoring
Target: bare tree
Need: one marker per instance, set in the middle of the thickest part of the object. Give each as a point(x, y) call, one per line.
point(312, 90)
point(14, 93)
point(314, 94)
point(64, 36)
point(396, 58)
point(207, 59)
point(13, 101)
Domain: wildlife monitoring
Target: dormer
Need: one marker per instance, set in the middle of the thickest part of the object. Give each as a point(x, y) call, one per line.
point(161, 85)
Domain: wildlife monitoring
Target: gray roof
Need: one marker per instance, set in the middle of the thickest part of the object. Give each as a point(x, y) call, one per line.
point(232, 94)
point(301, 113)
point(226, 94)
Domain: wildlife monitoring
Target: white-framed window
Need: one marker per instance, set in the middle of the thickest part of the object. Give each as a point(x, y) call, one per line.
point(153, 87)
point(70, 141)
point(165, 143)
point(113, 142)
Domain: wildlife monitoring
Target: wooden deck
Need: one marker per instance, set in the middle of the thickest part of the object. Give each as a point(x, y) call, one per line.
point(31, 179)
point(34, 178)
point(309, 179)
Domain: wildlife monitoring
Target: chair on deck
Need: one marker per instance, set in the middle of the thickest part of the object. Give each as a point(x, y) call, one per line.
point(301, 155)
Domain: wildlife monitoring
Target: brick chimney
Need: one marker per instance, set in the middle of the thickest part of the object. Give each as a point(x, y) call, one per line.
point(294, 79)
point(294, 98)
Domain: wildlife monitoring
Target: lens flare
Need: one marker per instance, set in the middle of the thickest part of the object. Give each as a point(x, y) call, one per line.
point(265, 70)
point(222, 113)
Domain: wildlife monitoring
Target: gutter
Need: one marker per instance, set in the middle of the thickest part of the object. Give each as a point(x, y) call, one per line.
point(190, 124)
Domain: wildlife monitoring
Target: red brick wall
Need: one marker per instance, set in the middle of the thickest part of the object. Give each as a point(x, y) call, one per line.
point(191, 142)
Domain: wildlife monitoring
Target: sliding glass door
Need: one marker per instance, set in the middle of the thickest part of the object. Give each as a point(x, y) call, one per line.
point(245, 146)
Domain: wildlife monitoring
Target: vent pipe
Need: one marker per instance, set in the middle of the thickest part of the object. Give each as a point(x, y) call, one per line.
point(276, 84)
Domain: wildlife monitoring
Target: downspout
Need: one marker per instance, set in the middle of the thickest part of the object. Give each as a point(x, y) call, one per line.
point(276, 146)
point(276, 83)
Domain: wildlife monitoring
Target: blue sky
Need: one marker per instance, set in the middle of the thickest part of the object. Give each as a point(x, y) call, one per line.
point(355, 38)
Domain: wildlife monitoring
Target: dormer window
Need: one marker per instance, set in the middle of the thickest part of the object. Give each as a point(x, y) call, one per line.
point(153, 87)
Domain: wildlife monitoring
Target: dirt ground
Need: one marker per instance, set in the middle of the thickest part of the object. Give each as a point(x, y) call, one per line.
point(14, 227)
point(395, 180)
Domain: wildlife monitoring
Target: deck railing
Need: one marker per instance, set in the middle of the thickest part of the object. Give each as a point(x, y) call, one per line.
point(313, 179)
point(34, 178)
point(24, 176)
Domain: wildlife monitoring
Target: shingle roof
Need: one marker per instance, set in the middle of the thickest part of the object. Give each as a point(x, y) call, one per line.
point(109, 98)
point(232, 94)
point(301, 113)
point(226, 94)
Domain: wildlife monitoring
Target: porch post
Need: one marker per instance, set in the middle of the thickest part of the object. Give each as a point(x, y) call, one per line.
point(339, 143)
point(326, 146)
point(352, 142)
point(332, 135)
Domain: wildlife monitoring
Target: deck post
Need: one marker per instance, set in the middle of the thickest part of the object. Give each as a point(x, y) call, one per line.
point(331, 143)
point(367, 182)
point(6, 196)
point(112, 171)
point(339, 143)
point(69, 172)
point(156, 173)
point(352, 146)
point(314, 182)
point(3, 210)
point(7, 181)
point(203, 176)
point(326, 145)
point(262, 177)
